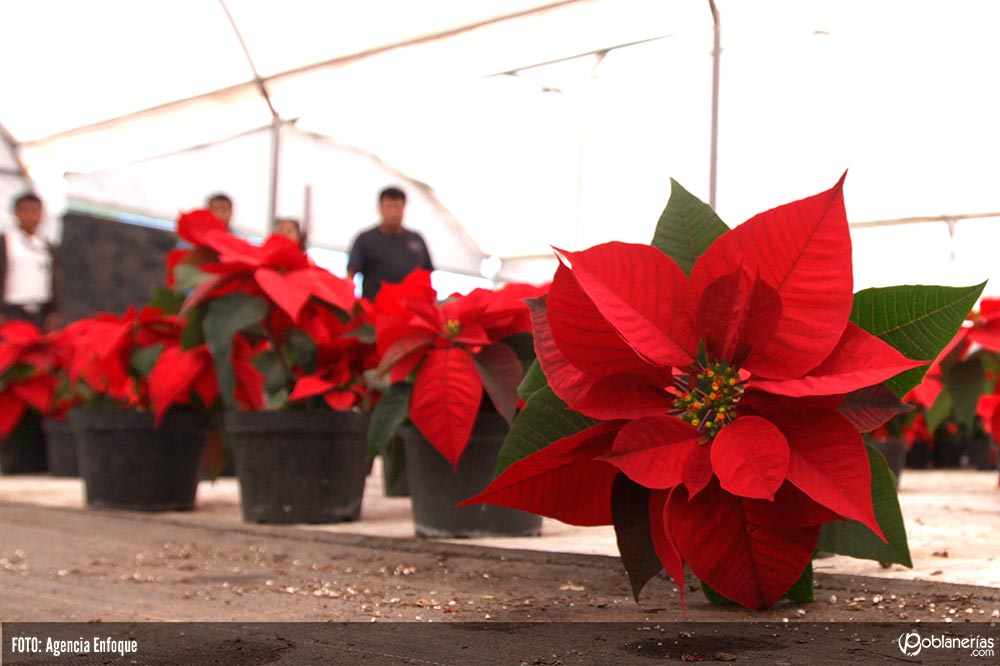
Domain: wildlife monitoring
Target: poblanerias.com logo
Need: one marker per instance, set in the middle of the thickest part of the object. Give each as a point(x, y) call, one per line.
point(912, 643)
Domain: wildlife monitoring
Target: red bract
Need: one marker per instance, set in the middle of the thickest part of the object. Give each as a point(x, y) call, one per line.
point(980, 336)
point(181, 375)
point(340, 362)
point(718, 393)
point(278, 270)
point(26, 379)
point(454, 351)
point(104, 349)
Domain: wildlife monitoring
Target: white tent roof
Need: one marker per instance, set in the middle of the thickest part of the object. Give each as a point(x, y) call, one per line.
point(519, 124)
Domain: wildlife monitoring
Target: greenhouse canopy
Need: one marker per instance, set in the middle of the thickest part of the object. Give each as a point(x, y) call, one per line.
point(517, 125)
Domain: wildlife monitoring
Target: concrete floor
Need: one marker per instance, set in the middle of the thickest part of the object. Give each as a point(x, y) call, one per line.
point(952, 521)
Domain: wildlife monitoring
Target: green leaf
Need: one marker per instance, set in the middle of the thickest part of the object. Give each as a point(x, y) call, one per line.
point(144, 359)
point(365, 333)
point(276, 379)
point(167, 300)
point(224, 318)
point(687, 227)
point(533, 382)
point(630, 514)
point(394, 459)
point(301, 350)
point(191, 334)
point(544, 419)
point(939, 411)
point(802, 590)
point(849, 537)
point(187, 277)
point(965, 382)
point(388, 414)
point(917, 320)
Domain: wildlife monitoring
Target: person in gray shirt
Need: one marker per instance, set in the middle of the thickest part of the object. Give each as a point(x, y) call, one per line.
point(387, 252)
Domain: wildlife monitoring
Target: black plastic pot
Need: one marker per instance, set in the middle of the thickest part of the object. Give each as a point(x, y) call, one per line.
point(982, 453)
point(23, 452)
point(435, 488)
point(299, 466)
point(60, 447)
point(919, 455)
point(127, 463)
point(947, 452)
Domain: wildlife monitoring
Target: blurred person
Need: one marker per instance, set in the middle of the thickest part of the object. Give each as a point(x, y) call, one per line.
point(28, 267)
point(291, 229)
point(387, 252)
point(221, 206)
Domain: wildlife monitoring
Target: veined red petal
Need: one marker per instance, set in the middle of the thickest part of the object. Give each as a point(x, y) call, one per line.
point(663, 542)
point(698, 472)
point(741, 548)
point(859, 360)
point(652, 451)
point(621, 396)
point(445, 400)
point(567, 381)
point(564, 480)
point(583, 335)
point(738, 314)
point(827, 461)
point(616, 278)
point(750, 457)
point(803, 250)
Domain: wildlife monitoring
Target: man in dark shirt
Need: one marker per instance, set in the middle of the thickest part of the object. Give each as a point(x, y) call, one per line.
point(387, 252)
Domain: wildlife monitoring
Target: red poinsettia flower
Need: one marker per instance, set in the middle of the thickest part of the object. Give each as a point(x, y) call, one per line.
point(105, 346)
point(980, 336)
point(719, 393)
point(455, 351)
point(181, 375)
point(341, 359)
point(26, 379)
point(278, 269)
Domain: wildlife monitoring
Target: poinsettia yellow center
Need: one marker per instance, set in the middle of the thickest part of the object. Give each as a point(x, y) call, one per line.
point(452, 327)
point(708, 398)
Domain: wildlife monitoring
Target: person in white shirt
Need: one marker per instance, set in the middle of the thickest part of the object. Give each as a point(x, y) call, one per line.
point(28, 268)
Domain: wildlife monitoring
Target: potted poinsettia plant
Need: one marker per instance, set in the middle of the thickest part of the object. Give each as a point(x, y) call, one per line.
point(706, 395)
point(27, 385)
point(60, 440)
point(141, 435)
point(453, 369)
point(300, 452)
point(959, 394)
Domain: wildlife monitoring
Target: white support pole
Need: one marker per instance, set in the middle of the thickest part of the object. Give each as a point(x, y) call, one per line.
point(713, 162)
point(272, 195)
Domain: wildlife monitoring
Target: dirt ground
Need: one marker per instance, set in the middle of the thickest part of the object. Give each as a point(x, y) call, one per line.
point(67, 565)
